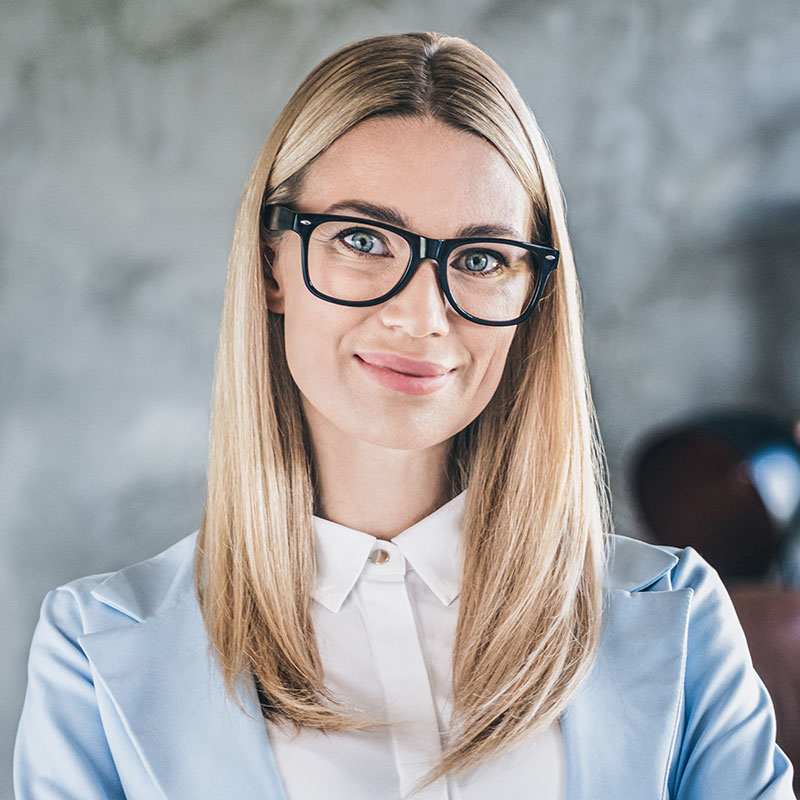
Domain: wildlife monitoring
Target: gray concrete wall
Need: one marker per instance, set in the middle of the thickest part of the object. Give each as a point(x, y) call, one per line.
point(126, 133)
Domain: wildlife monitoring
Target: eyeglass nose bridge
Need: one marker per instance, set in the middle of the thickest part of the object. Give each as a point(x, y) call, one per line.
point(429, 248)
point(422, 249)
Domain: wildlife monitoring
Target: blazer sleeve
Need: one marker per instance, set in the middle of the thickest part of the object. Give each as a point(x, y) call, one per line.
point(61, 751)
point(727, 747)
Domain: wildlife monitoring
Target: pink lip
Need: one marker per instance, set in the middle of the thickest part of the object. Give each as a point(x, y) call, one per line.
point(408, 366)
point(386, 370)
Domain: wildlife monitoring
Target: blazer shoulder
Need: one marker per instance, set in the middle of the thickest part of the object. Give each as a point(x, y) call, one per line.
point(635, 565)
point(138, 591)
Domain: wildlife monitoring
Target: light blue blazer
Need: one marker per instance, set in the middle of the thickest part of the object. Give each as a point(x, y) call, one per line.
point(124, 699)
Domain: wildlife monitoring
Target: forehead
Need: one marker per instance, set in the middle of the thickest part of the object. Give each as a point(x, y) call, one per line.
point(439, 178)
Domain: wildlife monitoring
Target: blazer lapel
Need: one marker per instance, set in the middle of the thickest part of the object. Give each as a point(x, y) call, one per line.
point(159, 672)
point(619, 730)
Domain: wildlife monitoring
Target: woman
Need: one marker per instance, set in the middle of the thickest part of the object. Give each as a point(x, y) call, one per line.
point(402, 581)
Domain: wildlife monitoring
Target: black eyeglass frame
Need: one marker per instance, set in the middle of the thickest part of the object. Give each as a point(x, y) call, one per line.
point(281, 218)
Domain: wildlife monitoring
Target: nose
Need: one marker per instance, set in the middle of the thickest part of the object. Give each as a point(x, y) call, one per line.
point(421, 307)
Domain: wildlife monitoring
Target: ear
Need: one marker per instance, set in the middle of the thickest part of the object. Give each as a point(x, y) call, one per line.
point(273, 283)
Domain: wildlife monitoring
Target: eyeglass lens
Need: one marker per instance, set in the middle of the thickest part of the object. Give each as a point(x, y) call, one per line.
point(357, 262)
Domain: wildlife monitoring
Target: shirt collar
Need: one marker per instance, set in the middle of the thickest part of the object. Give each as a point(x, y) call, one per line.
point(431, 546)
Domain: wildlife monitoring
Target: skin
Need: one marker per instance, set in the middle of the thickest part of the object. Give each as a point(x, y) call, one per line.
point(381, 454)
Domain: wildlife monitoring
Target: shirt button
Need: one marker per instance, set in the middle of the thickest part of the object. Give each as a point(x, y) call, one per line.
point(378, 556)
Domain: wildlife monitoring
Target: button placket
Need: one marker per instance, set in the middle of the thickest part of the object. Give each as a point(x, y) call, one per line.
point(403, 674)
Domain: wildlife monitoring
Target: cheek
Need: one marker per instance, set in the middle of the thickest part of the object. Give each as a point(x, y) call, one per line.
point(489, 364)
point(313, 333)
point(308, 345)
point(494, 355)
point(302, 318)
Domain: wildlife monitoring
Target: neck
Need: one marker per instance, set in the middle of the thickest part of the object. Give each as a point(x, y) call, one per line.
point(375, 489)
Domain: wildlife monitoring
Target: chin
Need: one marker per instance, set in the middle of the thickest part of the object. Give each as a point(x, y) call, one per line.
point(408, 439)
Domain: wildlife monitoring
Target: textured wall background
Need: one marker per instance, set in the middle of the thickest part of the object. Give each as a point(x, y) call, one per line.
point(126, 133)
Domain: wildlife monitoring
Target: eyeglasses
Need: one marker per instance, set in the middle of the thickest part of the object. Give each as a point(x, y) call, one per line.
point(358, 262)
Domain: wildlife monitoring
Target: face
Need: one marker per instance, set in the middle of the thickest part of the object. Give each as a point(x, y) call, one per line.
point(438, 181)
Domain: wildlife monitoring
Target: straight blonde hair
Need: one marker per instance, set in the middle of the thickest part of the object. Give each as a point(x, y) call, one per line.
point(532, 463)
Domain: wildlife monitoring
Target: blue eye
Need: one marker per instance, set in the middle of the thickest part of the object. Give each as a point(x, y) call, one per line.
point(364, 242)
point(481, 262)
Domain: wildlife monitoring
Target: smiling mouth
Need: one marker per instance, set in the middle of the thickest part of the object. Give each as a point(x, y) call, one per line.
point(404, 382)
point(404, 366)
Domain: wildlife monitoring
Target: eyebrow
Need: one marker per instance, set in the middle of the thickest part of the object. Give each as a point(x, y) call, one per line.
point(392, 216)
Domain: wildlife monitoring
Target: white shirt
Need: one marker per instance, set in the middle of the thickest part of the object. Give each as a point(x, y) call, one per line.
point(385, 614)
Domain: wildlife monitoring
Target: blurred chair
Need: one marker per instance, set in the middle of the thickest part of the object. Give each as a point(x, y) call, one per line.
point(728, 485)
point(770, 617)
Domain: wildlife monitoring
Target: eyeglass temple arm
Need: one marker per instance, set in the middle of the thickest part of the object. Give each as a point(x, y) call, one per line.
point(278, 218)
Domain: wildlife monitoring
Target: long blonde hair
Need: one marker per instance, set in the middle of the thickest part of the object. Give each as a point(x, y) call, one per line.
point(532, 463)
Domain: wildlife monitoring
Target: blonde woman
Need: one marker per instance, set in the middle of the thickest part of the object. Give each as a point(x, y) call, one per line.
point(404, 584)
